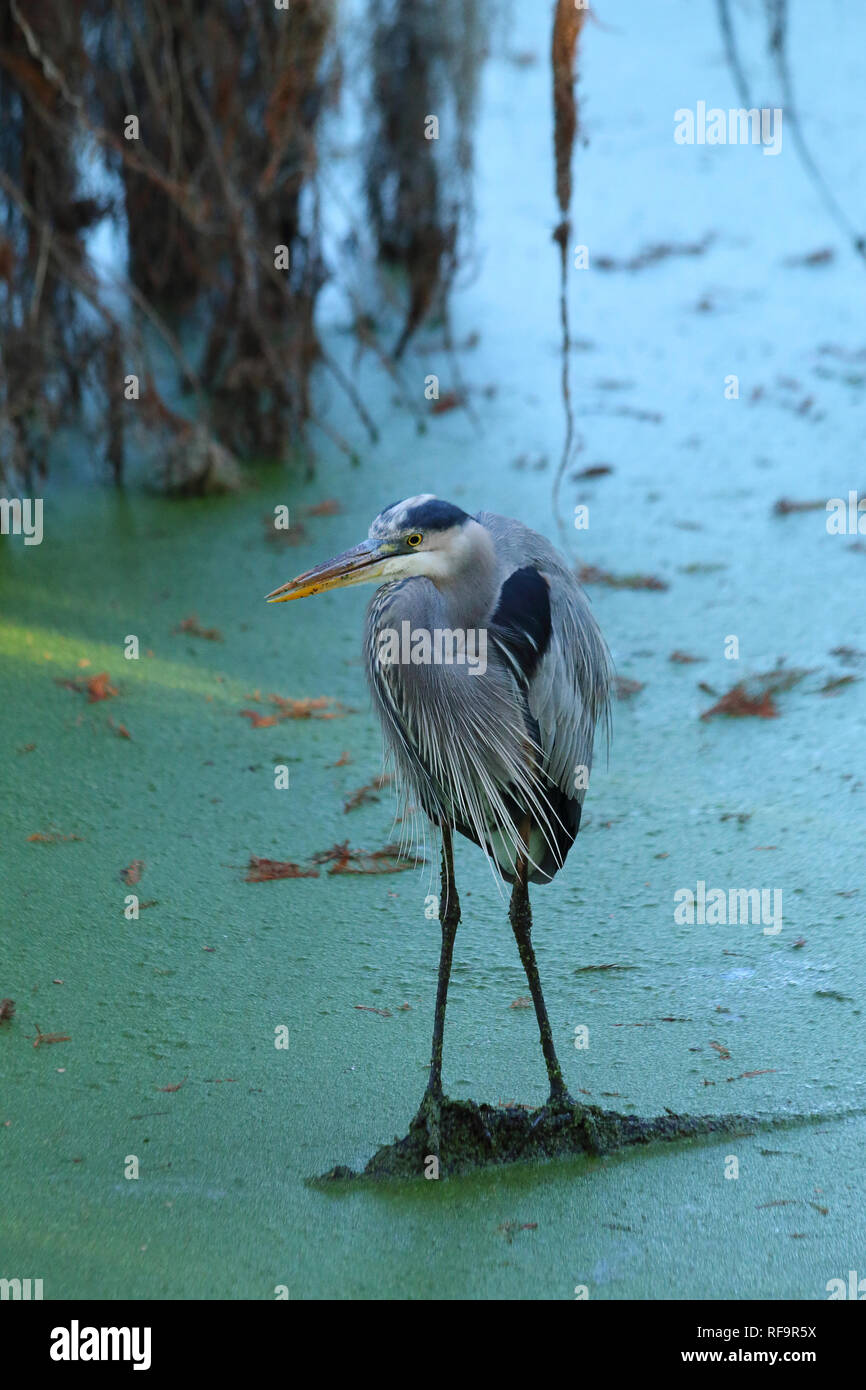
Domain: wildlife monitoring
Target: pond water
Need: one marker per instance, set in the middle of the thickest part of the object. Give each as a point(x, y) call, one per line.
point(700, 1018)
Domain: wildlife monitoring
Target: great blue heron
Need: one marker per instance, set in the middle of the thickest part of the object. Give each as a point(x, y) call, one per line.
point(497, 747)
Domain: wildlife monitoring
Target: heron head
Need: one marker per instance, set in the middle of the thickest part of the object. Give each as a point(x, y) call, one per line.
point(420, 537)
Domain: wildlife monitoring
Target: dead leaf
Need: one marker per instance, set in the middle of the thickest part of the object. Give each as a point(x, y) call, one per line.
point(592, 574)
point(836, 682)
point(388, 860)
point(195, 629)
point(366, 793)
point(132, 873)
point(266, 870)
point(626, 688)
point(785, 505)
point(737, 704)
point(328, 507)
point(449, 401)
point(52, 838)
point(49, 1037)
point(259, 721)
point(318, 707)
point(98, 687)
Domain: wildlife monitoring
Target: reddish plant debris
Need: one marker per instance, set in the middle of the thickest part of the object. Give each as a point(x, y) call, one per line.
point(367, 793)
point(53, 837)
point(330, 506)
point(626, 688)
point(450, 401)
point(100, 688)
point(259, 721)
point(388, 860)
point(592, 574)
point(120, 729)
point(176, 1087)
point(754, 696)
point(798, 944)
point(266, 870)
point(97, 687)
point(722, 1051)
point(7, 1009)
point(318, 707)
point(523, 1002)
point(195, 629)
point(404, 1007)
point(344, 759)
point(767, 1071)
point(49, 1037)
point(132, 873)
point(26, 748)
point(368, 1008)
point(684, 658)
point(737, 704)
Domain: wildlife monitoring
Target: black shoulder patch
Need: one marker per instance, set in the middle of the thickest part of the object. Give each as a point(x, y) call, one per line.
point(522, 618)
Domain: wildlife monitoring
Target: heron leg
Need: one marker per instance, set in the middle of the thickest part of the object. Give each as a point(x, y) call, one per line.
point(449, 916)
point(520, 917)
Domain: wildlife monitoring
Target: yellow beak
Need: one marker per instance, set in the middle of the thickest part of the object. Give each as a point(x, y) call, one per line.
point(360, 565)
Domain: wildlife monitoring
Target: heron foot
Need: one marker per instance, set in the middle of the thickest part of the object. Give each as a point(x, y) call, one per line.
point(557, 1111)
point(429, 1117)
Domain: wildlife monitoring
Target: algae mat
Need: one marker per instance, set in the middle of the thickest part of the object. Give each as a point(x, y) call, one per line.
point(172, 1019)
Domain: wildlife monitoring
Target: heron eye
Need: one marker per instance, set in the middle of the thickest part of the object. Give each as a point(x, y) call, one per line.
point(415, 539)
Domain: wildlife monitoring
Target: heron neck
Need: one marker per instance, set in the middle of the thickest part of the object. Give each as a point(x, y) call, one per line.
point(468, 596)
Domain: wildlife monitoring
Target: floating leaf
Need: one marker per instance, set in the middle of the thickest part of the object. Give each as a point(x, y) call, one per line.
point(264, 870)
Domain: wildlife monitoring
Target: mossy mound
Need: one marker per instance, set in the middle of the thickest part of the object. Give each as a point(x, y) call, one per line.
point(464, 1136)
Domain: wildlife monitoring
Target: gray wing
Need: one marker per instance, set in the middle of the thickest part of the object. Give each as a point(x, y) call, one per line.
point(569, 690)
